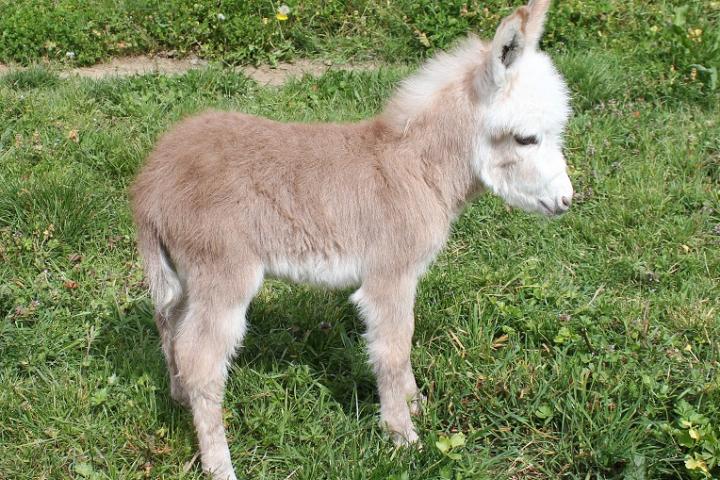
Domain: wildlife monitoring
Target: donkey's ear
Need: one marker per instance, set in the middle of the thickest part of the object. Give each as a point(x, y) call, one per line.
point(537, 13)
point(519, 31)
point(509, 41)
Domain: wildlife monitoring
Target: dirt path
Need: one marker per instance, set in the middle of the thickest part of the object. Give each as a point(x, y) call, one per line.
point(265, 75)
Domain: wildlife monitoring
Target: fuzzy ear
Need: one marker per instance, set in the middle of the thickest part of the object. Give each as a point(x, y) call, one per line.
point(517, 32)
point(508, 44)
point(537, 13)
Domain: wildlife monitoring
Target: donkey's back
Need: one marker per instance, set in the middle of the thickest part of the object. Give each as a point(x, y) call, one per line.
point(317, 203)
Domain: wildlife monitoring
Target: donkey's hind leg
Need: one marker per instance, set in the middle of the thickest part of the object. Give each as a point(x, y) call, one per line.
point(166, 322)
point(210, 330)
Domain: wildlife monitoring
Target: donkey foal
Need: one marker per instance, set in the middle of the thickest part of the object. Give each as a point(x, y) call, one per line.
point(222, 203)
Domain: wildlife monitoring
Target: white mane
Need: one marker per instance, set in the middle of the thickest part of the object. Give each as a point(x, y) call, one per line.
point(440, 73)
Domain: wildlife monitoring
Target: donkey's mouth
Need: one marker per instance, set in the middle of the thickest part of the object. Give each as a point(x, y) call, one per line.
point(550, 211)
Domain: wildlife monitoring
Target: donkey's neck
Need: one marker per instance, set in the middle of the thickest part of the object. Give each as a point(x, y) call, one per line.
point(446, 147)
point(437, 147)
point(432, 113)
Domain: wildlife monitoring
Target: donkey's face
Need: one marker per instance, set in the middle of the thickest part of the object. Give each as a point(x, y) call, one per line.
point(523, 109)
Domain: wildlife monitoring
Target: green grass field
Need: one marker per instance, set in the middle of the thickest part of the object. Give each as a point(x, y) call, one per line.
point(655, 34)
point(581, 348)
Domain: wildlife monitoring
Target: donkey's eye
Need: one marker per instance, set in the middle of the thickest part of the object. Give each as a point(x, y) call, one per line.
point(531, 140)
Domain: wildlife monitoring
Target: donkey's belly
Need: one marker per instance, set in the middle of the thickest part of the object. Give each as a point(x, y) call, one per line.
point(336, 272)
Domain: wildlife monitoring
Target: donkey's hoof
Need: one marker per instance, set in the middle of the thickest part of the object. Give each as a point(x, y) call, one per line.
point(417, 404)
point(225, 476)
point(405, 439)
point(222, 473)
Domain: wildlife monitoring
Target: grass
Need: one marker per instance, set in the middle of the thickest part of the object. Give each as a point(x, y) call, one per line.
point(579, 348)
point(680, 33)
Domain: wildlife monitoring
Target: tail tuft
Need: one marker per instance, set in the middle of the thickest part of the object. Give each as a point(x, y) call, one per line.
point(165, 287)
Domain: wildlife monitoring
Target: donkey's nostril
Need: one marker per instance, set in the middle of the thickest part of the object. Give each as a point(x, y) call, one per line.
point(566, 201)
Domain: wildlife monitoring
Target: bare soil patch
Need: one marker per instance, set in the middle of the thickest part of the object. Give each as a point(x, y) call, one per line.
point(143, 64)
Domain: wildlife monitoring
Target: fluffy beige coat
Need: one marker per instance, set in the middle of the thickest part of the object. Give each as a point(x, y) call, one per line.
point(227, 199)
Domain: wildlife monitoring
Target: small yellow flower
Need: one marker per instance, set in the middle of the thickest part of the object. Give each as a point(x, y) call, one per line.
point(282, 12)
point(693, 464)
point(654, 28)
point(695, 34)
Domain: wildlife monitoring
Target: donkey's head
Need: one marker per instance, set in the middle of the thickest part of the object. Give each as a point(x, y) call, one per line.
point(524, 107)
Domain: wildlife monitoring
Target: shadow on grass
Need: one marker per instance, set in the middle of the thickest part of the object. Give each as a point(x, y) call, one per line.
point(288, 325)
point(319, 329)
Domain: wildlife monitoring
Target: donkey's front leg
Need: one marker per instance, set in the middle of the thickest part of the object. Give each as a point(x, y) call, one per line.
point(386, 306)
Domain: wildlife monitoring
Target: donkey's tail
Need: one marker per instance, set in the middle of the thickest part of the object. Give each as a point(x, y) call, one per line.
point(166, 288)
